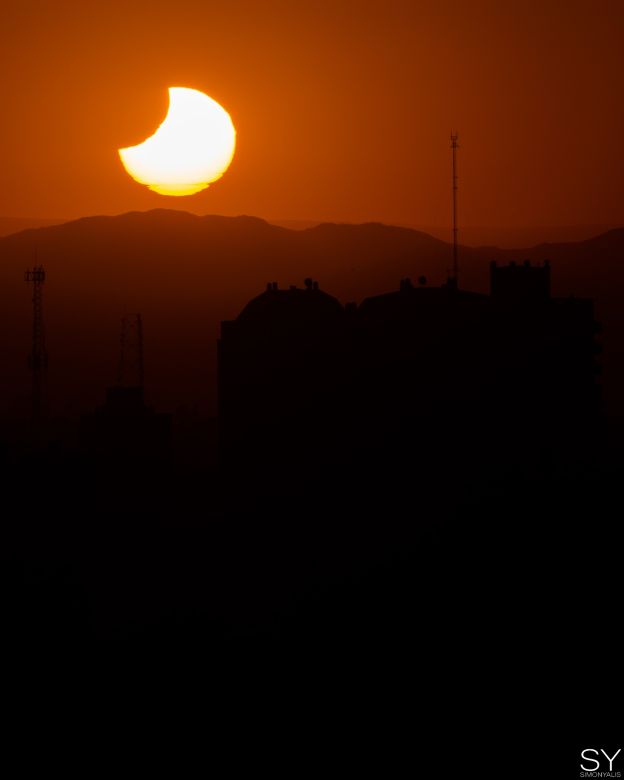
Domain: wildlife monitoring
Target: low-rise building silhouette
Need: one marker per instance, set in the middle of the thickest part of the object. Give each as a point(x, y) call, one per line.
point(126, 433)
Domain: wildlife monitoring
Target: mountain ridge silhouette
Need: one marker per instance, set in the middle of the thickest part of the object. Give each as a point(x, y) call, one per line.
point(160, 212)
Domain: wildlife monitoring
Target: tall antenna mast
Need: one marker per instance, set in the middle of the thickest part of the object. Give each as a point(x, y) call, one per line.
point(38, 358)
point(454, 147)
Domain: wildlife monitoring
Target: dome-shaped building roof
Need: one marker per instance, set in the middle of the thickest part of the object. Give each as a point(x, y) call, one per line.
point(291, 306)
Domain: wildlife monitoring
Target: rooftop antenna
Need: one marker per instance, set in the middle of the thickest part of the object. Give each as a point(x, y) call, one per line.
point(38, 358)
point(455, 272)
point(130, 370)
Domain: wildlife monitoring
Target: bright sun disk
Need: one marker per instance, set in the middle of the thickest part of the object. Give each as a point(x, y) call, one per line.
point(192, 148)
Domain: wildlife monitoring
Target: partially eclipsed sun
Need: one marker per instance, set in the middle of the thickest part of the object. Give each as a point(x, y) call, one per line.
point(192, 148)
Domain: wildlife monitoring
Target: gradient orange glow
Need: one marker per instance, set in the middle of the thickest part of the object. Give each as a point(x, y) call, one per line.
point(192, 148)
point(345, 108)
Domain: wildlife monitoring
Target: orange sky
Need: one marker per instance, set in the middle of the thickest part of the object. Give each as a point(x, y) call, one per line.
point(343, 109)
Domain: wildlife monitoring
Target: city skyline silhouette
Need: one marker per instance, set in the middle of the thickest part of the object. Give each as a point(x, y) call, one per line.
point(341, 434)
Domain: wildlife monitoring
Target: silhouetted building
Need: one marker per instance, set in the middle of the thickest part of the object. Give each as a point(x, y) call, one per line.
point(520, 282)
point(126, 432)
point(281, 377)
point(461, 375)
point(436, 376)
point(546, 351)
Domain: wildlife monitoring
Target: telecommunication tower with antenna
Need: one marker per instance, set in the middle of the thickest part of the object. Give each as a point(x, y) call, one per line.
point(455, 271)
point(125, 434)
point(38, 358)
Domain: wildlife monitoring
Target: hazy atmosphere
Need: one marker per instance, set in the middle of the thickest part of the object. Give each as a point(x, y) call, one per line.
point(312, 378)
point(343, 110)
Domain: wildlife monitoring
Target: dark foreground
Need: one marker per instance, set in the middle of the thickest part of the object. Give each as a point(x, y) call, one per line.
point(385, 576)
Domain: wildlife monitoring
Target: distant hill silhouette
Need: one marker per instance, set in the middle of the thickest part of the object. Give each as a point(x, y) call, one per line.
point(10, 225)
point(487, 235)
point(517, 237)
point(186, 273)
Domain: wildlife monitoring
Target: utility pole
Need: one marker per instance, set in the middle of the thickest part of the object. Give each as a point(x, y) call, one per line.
point(455, 273)
point(38, 358)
